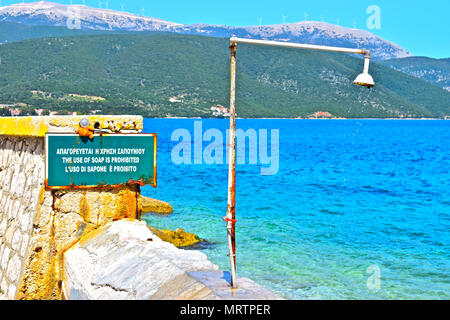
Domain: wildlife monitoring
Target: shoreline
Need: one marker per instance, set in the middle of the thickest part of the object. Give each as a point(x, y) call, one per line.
point(238, 118)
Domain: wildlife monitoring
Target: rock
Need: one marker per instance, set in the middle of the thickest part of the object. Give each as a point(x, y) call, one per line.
point(150, 205)
point(178, 238)
point(124, 260)
point(202, 245)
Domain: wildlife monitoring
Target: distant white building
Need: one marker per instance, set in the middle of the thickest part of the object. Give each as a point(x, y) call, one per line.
point(15, 112)
point(39, 112)
point(174, 99)
point(220, 111)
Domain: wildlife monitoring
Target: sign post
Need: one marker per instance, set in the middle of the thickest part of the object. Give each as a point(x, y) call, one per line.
point(106, 160)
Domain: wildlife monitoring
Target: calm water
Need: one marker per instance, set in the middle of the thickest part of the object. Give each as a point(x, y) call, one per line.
point(349, 195)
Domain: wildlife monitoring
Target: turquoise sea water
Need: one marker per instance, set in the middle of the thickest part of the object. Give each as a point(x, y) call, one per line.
point(352, 198)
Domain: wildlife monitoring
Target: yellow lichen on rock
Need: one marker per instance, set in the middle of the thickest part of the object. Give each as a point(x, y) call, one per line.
point(179, 238)
point(63, 219)
point(23, 126)
point(150, 205)
point(39, 126)
point(118, 204)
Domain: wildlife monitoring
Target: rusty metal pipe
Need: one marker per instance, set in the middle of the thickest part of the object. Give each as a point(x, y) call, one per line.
point(231, 205)
point(235, 40)
point(230, 218)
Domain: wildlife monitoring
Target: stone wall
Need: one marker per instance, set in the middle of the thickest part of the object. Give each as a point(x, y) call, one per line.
point(38, 226)
point(21, 179)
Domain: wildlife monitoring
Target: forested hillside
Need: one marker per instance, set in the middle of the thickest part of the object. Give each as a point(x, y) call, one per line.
point(164, 74)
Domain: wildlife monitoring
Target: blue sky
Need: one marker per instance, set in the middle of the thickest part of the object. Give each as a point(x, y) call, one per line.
point(422, 27)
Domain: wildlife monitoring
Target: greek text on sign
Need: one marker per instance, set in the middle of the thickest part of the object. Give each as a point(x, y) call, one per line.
point(72, 160)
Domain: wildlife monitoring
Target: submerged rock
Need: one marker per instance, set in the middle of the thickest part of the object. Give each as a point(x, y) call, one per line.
point(201, 245)
point(179, 238)
point(150, 205)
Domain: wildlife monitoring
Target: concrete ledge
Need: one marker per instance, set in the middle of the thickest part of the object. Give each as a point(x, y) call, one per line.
point(124, 260)
point(212, 285)
point(39, 126)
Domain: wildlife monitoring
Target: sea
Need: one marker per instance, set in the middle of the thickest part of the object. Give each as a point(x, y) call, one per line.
point(357, 209)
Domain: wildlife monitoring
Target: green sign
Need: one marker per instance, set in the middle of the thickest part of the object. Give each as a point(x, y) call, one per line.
point(115, 159)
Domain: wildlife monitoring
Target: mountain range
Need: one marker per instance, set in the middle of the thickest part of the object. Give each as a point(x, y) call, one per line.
point(45, 13)
point(113, 62)
point(436, 71)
